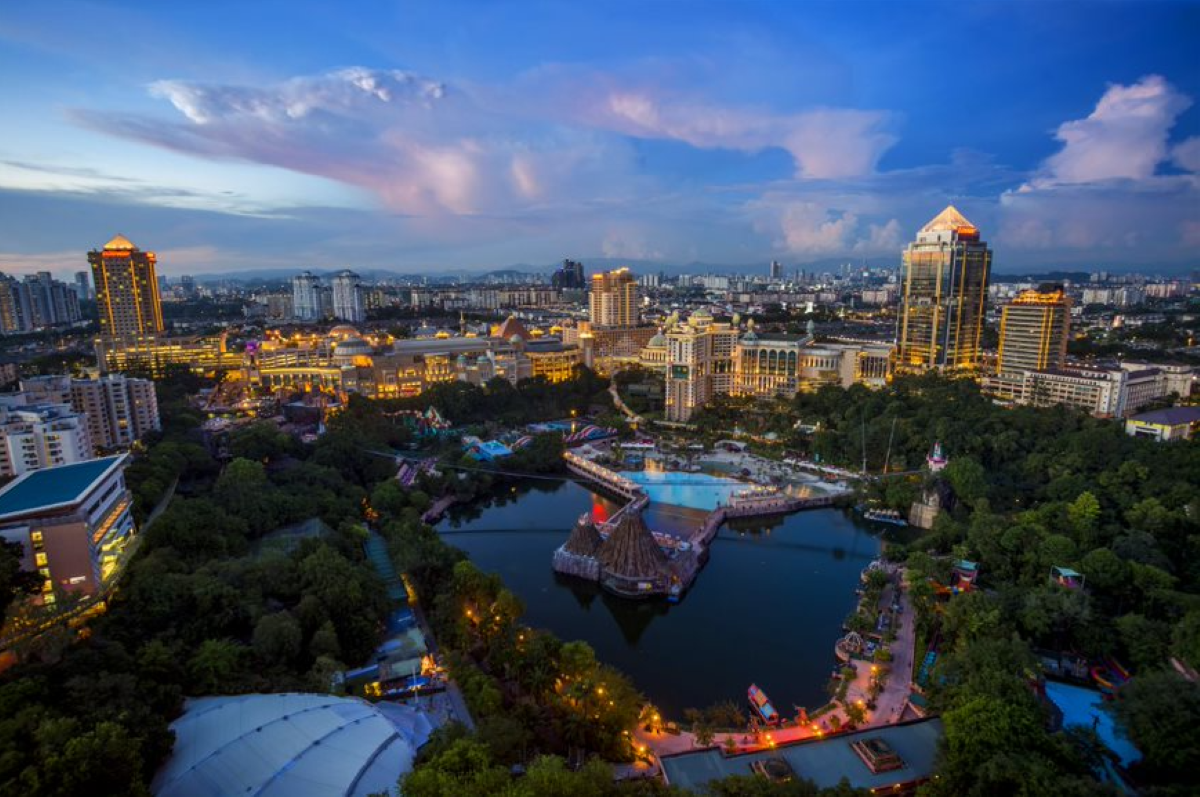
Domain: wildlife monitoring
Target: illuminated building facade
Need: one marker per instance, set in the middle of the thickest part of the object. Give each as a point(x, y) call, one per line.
point(699, 364)
point(1034, 328)
point(154, 353)
point(612, 301)
point(705, 359)
point(404, 368)
point(73, 524)
point(945, 279)
point(126, 290)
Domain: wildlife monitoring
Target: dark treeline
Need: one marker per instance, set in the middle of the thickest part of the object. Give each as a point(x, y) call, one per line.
point(1030, 489)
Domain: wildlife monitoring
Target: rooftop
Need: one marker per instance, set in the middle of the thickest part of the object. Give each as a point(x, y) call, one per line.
point(948, 219)
point(1171, 416)
point(54, 487)
point(285, 744)
point(120, 242)
point(824, 761)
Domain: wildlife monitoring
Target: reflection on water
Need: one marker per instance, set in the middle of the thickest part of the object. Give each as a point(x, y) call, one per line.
point(767, 607)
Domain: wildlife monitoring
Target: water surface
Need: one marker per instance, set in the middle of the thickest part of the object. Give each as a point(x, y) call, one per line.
point(766, 609)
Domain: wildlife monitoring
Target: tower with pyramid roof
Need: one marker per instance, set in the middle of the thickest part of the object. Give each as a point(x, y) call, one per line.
point(945, 284)
point(126, 290)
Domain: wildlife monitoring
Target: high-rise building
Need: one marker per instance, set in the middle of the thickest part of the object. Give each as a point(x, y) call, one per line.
point(83, 287)
point(569, 276)
point(126, 289)
point(36, 436)
point(187, 284)
point(35, 303)
point(347, 297)
point(306, 297)
point(119, 409)
point(776, 270)
point(699, 364)
point(613, 299)
point(945, 278)
point(1034, 328)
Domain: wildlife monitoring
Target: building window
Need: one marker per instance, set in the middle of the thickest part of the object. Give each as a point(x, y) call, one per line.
point(40, 559)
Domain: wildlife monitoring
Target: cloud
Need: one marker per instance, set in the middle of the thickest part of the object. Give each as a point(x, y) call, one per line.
point(423, 148)
point(811, 228)
point(1186, 155)
point(1105, 188)
point(1125, 137)
point(826, 143)
point(340, 92)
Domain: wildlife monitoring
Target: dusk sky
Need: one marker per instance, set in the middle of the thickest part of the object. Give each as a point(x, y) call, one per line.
point(443, 136)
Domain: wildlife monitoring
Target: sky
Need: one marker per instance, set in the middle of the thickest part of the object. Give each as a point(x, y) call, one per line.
point(430, 137)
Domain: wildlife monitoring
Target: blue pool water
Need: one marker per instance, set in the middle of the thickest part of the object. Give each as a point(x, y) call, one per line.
point(691, 490)
point(1081, 706)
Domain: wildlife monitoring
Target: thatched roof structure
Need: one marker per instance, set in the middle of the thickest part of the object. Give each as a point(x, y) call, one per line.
point(630, 550)
point(584, 539)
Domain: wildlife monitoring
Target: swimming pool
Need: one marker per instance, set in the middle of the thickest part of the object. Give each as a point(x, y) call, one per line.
point(691, 490)
point(1082, 706)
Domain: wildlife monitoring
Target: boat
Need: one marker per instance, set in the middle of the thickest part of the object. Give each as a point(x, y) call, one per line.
point(762, 705)
point(890, 516)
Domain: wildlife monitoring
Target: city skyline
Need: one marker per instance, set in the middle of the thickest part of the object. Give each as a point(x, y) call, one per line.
point(732, 135)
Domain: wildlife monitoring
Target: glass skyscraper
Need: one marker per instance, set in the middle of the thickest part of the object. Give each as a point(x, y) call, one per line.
point(945, 277)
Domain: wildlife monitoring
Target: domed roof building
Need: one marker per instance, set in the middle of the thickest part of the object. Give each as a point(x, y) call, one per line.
point(343, 332)
point(654, 354)
point(288, 744)
point(352, 351)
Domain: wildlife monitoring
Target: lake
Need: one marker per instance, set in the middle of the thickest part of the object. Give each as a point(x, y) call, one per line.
point(766, 609)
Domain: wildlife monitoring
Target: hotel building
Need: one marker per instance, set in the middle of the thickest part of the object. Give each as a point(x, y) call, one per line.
point(945, 284)
point(1034, 329)
point(126, 290)
point(73, 524)
point(612, 301)
point(699, 364)
point(704, 359)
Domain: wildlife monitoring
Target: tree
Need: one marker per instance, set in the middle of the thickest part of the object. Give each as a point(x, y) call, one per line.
point(324, 642)
point(14, 581)
point(968, 479)
point(1083, 514)
point(260, 442)
point(856, 714)
point(277, 637)
point(1185, 639)
point(214, 665)
point(464, 768)
point(1160, 711)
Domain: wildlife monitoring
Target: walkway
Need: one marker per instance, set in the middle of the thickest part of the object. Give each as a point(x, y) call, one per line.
point(377, 553)
point(889, 704)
